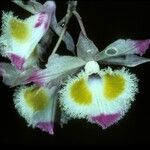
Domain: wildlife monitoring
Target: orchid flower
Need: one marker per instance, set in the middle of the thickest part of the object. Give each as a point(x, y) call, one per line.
point(102, 96)
point(20, 37)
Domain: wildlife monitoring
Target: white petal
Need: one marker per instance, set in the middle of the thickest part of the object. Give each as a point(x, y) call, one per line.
point(86, 49)
point(58, 68)
point(123, 47)
point(128, 60)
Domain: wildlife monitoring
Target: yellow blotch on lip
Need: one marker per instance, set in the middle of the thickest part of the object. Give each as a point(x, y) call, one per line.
point(81, 93)
point(36, 98)
point(19, 30)
point(114, 85)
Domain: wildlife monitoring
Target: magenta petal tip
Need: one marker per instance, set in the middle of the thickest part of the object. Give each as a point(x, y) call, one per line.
point(17, 61)
point(46, 126)
point(142, 46)
point(106, 121)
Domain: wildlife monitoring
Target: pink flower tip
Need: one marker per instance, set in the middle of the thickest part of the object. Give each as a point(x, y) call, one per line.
point(106, 121)
point(46, 126)
point(17, 61)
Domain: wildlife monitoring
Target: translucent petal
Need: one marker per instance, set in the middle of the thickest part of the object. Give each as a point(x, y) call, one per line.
point(32, 6)
point(9, 73)
point(58, 68)
point(137, 46)
point(123, 47)
point(128, 60)
point(86, 49)
point(13, 77)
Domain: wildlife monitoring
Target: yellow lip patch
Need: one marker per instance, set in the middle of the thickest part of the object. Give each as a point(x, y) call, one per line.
point(114, 85)
point(19, 30)
point(36, 98)
point(80, 92)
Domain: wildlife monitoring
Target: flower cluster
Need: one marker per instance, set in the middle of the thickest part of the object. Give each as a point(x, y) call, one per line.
point(76, 83)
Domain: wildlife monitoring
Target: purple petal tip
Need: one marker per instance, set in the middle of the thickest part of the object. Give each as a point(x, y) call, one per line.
point(41, 19)
point(49, 6)
point(142, 46)
point(17, 61)
point(46, 126)
point(106, 121)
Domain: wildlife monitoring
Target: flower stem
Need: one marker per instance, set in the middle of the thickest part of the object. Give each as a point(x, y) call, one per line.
point(80, 22)
point(71, 8)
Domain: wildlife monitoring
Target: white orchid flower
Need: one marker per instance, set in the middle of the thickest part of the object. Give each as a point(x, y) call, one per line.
point(20, 37)
point(100, 96)
point(95, 94)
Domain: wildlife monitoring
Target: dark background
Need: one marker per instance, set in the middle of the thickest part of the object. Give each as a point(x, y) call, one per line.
point(105, 22)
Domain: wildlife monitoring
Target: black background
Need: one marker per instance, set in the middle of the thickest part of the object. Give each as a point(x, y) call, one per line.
point(105, 22)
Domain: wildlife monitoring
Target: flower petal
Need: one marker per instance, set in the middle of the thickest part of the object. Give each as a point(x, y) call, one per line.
point(12, 76)
point(128, 60)
point(17, 60)
point(44, 44)
point(138, 46)
point(32, 6)
point(46, 126)
point(57, 69)
point(123, 47)
point(9, 73)
point(86, 49)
